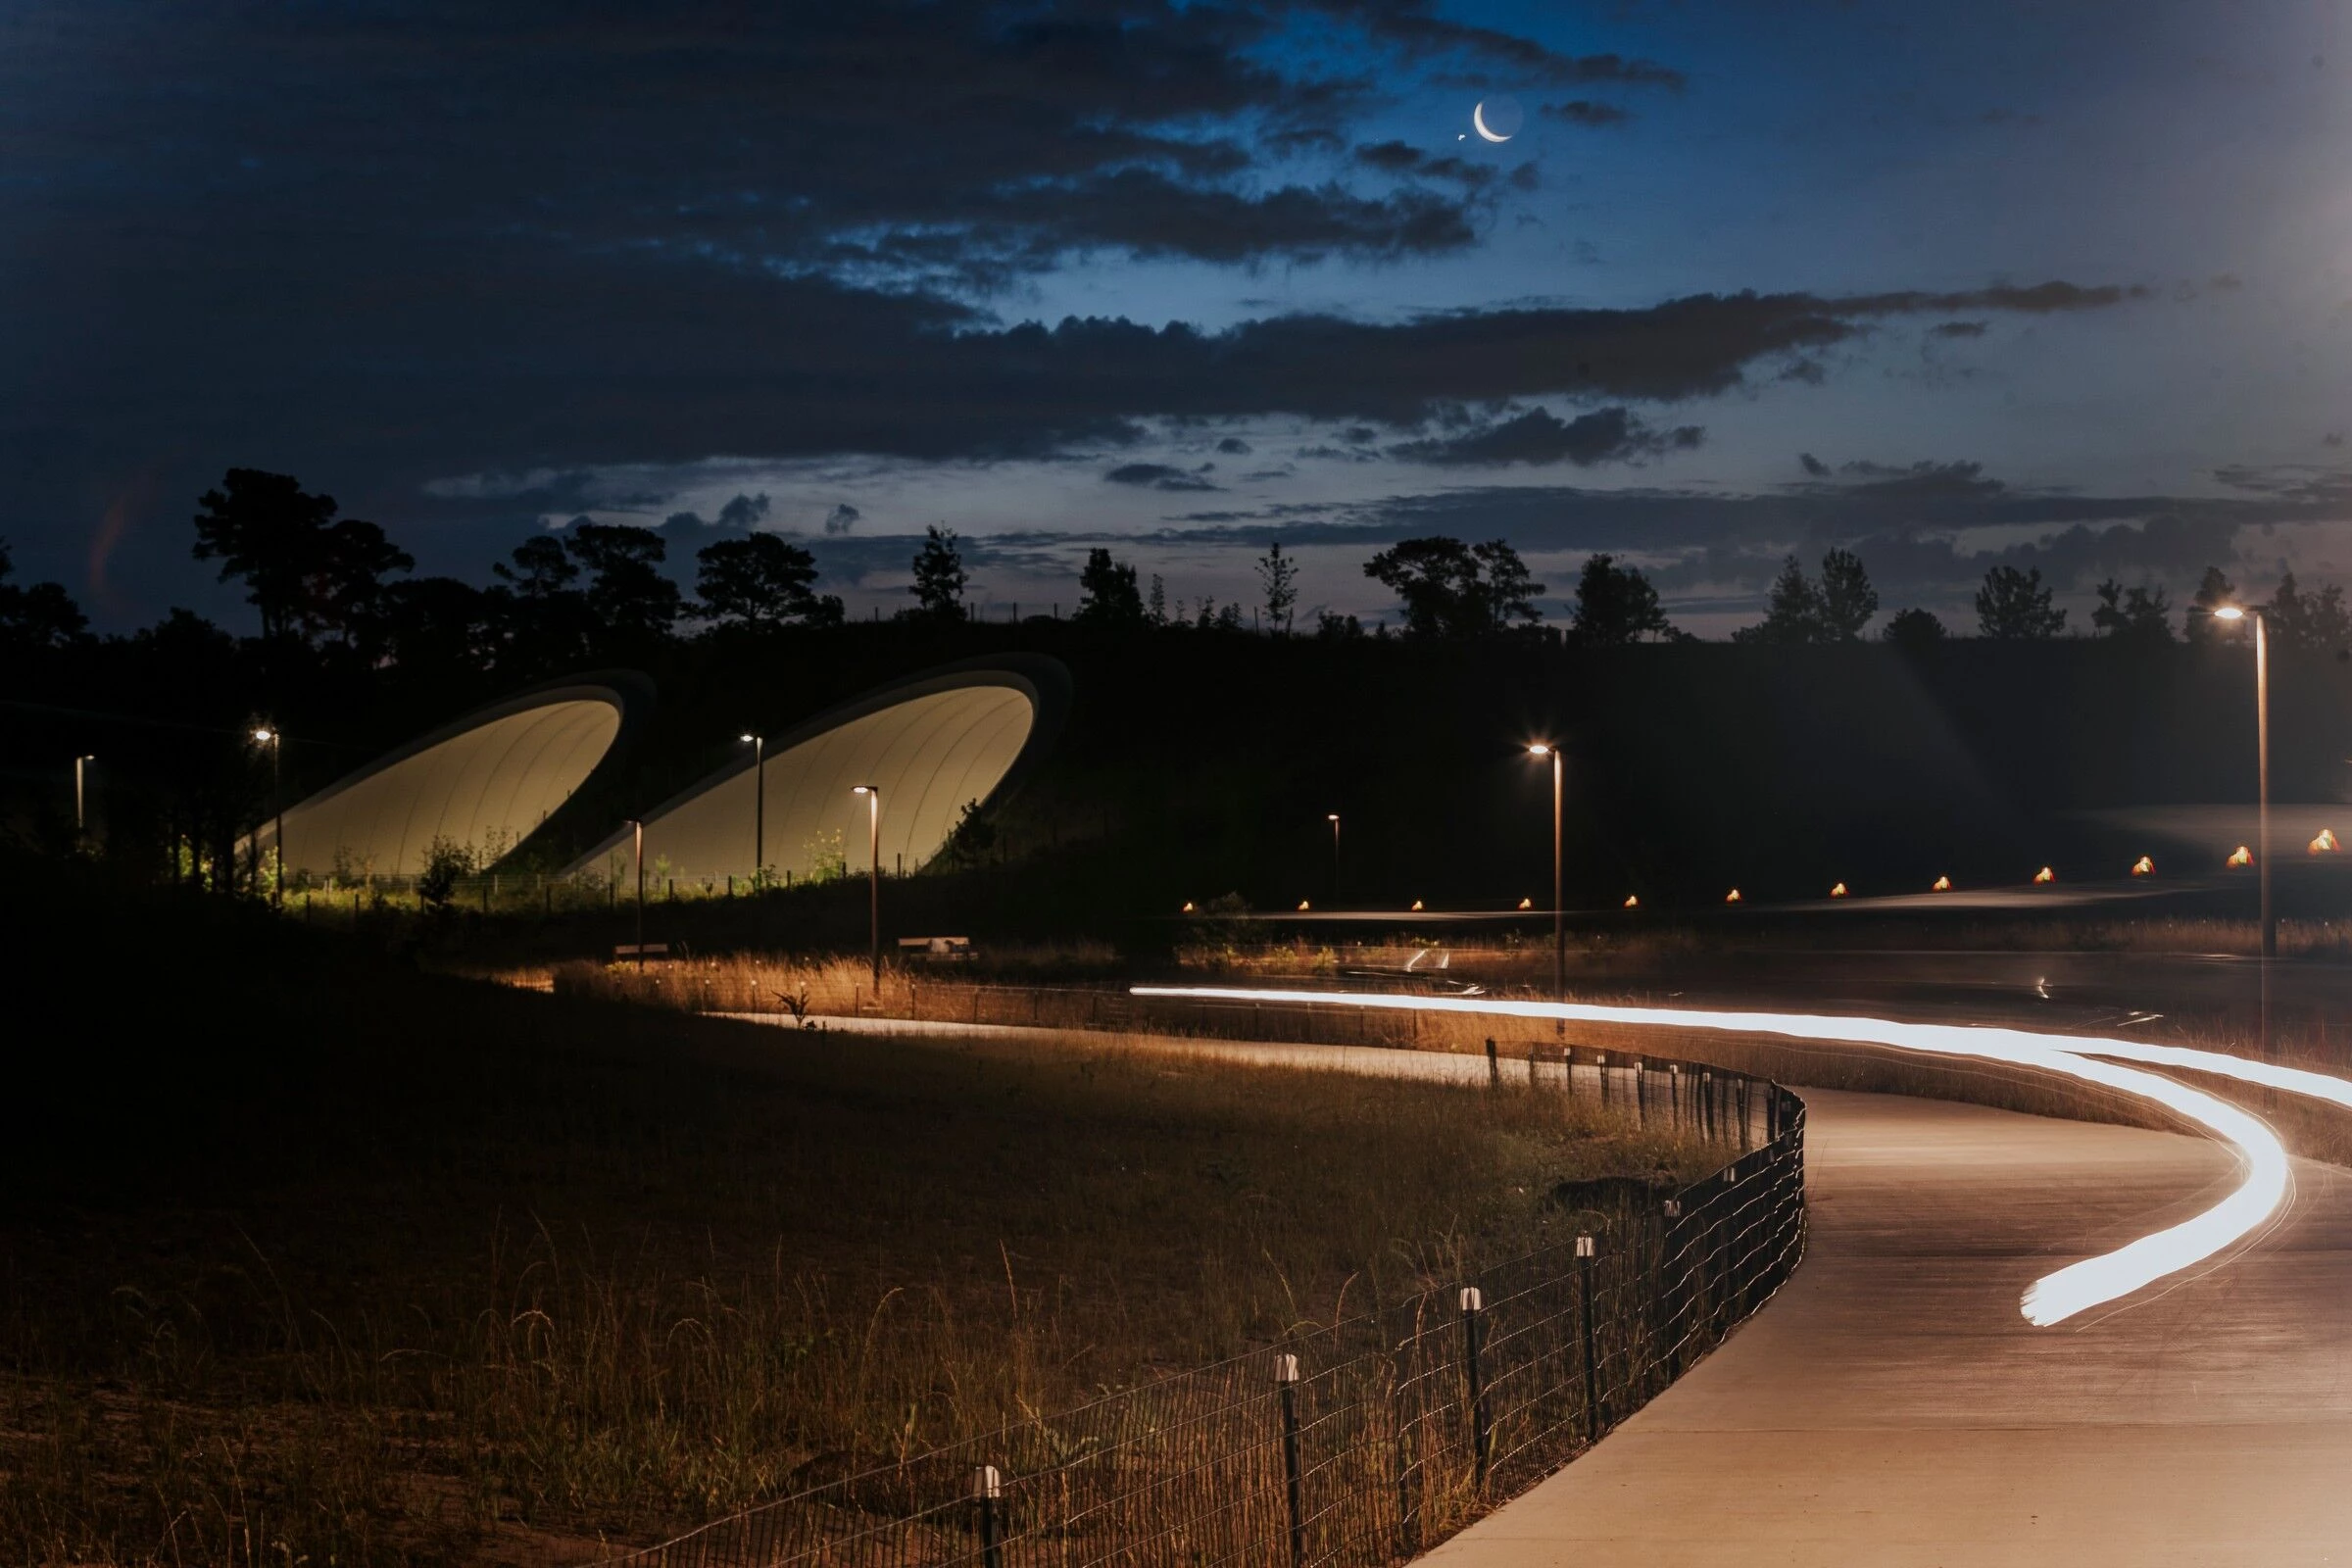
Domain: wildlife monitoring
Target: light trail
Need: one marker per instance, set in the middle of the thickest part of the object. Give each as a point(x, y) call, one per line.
point(2054, 1297)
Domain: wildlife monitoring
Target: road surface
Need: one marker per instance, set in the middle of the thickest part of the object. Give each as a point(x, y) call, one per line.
point(1891, 1407)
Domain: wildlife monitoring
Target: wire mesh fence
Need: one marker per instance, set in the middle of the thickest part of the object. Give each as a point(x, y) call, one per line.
point(1354, 1445)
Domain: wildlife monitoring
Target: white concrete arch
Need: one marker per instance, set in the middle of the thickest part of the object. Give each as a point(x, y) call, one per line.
point(486, 782)
point(934, 747)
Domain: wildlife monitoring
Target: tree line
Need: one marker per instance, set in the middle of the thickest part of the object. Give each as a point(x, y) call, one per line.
point(336, 587)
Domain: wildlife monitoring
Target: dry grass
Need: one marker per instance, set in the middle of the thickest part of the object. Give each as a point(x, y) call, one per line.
point(326, 1260)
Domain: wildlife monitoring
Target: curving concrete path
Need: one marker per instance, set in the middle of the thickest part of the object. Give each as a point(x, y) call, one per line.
point(1891, 1407)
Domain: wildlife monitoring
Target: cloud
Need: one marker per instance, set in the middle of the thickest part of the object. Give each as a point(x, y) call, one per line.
point(1813, 465)
point(842, 519)
point(1583, 112)
point(1234, 446)
point(1160, 476)
point(1540, 436)
point(1957, 330)
point(744, 512)
point(1918, 481)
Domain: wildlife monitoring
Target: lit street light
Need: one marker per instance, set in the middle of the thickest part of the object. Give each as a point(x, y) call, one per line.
point(275, 741)
point(2262, 823)
point(637, 838)
point(1559, 929)
point(81, 817)
point(1333, 817)
point(873, 838)
point(758, 745)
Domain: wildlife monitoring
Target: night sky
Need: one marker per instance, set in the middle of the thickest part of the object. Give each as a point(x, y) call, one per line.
point(2061, 286)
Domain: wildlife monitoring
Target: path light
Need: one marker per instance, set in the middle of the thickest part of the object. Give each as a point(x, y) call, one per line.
point(2241, 855)
point(1542, 751)
point(759, 746)
point(1187, 906)
point(1417, 906)
point(276, 742)
point(2045, 874)
point(1631, 902)
point(1943, 884)
point(1527, 904)
point(1837, 892)
point(1302, 907)
point(1731, 897)
point(2325, 843)
point(2143, 866)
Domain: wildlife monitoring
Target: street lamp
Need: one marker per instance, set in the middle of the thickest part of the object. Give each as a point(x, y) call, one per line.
point(873, 838)
point(1333, 817)
point(2262, 775)
point(758, 745)
point(1559, 929)
point(275, 741)
point(80, 817)
point(637, 841)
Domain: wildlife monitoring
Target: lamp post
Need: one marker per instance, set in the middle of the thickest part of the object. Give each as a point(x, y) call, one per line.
point(2261, 822)
point(637, 840)
point(758, 745)
point(274, 739)
point(1333, 817)
point(81, 817)
point(873, 838)
point(1559, 929)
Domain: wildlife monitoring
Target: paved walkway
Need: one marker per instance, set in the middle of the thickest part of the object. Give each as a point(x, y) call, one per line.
point(1891, 1407)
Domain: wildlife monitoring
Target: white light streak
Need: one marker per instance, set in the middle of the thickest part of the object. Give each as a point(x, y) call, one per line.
point(2054, 1297)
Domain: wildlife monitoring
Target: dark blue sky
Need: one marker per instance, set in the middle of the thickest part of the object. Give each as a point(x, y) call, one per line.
point(1953, 285)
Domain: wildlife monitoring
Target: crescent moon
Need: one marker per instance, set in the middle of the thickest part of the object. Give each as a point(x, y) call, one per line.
point(1478, 123)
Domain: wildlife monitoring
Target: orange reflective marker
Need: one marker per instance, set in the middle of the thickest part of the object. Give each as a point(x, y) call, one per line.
point(1837, 892)
point(1943, 884)
point(1301, 905)
point(1188, 905)
point(1527, 904)
point(2241, 855)
point(2325, 843)
point(2143, 866)
point(1731, 897)
point(1632, 903)
point(1417, 906)
point(2045, 874)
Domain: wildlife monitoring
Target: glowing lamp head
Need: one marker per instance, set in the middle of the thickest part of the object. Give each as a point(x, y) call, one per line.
point(1633, 900)
point(1417, 906)
point(1302, 907)
point(746, 738)
point(2325, 843)
point(2229, 613)
point(1187, 906)
point(864, 789)
point(2241, 855)
point(1731, 897)
point(1527, 904)
point(2143, 866)
point(264, 735)
point(2045, 874)
point(1539, 749)
point(1837, 892)
point(1943, 884)
point(1330, 816)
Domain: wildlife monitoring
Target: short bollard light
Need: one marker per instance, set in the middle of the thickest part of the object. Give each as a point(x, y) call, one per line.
point(1286, 1384)
point(1474, 1305)
point(1584, 1269)
point(988, 1490)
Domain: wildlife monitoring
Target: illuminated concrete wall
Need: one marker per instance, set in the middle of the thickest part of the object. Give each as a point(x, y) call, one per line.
point(933, 747)
point(486, 782)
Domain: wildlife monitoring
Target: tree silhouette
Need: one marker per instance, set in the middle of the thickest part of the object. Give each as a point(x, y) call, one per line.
point(1449, 589)
point(760, 580)
point(2315, 624)
point(1615, 605)
point(1914, 630)
point(2013, 606)
point(2214, 590)
point(1110, 596)
point(2139, 614)
point(631, 602)
point(1791, 611)
point(939, 577)
point(1799, 609)
point(1278, 577)
point(41, 615)
point(304, 572)
point(1846, 598)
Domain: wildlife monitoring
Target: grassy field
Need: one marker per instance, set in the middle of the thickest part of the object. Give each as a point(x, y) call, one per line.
point(307, 1256)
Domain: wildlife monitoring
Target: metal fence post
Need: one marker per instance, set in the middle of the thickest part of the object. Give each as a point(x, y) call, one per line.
point(1706, 1104)
point(1600, 1060)
point(1473, 1325)
point(1494, 1066)
point(1640, 1093)
point(1674, 1091)
point(987, 1488)
point(1286, 1380)
point(1584, 1270)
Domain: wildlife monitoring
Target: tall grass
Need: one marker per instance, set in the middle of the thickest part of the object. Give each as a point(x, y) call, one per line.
point(353, 1264)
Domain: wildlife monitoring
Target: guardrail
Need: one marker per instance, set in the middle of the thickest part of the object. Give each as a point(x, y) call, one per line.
point(1358, 1445)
